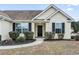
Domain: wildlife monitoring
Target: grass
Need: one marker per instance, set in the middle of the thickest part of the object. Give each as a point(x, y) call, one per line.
point(47, 48)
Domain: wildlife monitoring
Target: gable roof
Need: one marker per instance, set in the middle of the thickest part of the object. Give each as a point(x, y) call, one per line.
point(29, 14)
point(58, 9)
point(3, 14)
point(21, 14)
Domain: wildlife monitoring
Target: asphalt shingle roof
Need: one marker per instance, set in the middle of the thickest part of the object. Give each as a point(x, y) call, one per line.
point(20, 14)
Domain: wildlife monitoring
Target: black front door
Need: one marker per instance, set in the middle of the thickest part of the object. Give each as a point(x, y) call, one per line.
point(39, 31)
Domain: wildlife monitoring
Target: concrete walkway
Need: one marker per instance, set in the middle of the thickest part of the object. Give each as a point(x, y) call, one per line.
point(38, 41)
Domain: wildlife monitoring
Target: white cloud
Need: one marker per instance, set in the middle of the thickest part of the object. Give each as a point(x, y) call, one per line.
point(75, 4)
point(69, 9)
point(69, 5)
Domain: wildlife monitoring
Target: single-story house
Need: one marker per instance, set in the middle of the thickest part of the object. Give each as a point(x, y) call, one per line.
point(51, 19)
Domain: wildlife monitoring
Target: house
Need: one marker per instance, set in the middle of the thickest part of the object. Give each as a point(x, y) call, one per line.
point(51, 19)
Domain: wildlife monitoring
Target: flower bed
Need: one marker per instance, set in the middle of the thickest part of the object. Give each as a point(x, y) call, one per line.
point(11, 42)
point(18, 38)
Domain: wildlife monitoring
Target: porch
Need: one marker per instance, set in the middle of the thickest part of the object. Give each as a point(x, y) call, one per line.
point(39, 28)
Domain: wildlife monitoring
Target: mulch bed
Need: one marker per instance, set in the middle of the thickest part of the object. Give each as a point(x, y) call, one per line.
point(59, 40)
point(18, 43)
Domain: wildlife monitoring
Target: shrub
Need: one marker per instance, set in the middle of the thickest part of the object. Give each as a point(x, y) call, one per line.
point(60, 35)
point(49, 35)
point(53, 35)
point(20, 39)
point(72, 37)
point(7, 42)
point(28, 35)
point(0, 37)
point(77, 37)
point(13, 35)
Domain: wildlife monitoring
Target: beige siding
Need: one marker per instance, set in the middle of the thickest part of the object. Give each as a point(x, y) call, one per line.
point(48, 27)
point(5, 28)
point(47, 13)
point(59, 18)
point(67, 30)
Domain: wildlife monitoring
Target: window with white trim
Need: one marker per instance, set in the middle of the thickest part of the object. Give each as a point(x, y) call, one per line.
point(22, 27)
point(58, 27)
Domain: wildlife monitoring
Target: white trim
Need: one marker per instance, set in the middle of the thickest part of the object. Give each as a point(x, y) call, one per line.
point(28, 21)
point(56, 28)
point(24, 21)
point(52, 14)
point(52, 5)
point(36, 27)
point(40, 21)
point(6, 18)
point(21, 27)
point(65, 14)
point(43, 11)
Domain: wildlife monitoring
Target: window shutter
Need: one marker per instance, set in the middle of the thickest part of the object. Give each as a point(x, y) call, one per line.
point(63, 27)
point(13, 26)
point(53, 27)
point(29, 26)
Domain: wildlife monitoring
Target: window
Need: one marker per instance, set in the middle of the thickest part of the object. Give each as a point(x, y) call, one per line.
point(22, 27)
point(58, 27)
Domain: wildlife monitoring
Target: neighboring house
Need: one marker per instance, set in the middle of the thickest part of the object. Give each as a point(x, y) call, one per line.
point(51, 19)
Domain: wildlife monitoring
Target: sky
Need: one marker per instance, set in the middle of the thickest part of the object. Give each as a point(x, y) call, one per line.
point(70, 9)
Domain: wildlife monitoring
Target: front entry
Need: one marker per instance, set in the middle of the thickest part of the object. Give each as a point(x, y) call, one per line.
point(39, 31)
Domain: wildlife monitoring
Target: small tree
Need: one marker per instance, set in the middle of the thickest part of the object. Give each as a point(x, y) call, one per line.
point(75, 26)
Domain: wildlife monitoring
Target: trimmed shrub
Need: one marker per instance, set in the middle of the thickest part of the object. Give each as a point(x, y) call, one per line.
point(20, 39)
point(60, 35)
point(28, 35)
point(49, 35)
point(0, 37)
point(13, 35)
point(77, 37)
point(72, 37)
point(53, 35)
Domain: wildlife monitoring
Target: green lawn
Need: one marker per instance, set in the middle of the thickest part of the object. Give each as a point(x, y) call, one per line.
point(48, 47)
